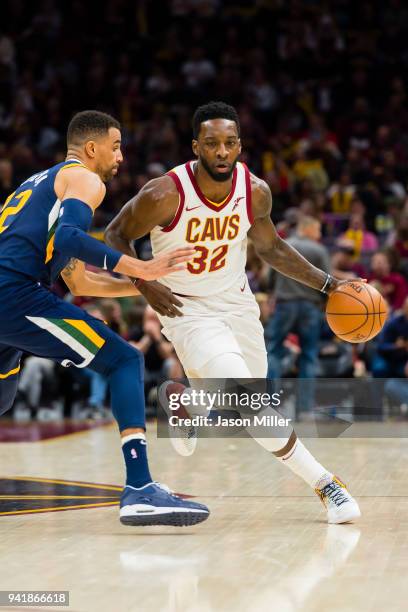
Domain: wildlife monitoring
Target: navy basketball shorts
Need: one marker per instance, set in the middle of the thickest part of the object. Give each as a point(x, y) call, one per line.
point(36, 321)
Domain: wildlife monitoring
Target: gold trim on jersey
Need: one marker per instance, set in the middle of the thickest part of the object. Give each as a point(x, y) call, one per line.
point(218, 203)
point(74, 165)
point(50, 249)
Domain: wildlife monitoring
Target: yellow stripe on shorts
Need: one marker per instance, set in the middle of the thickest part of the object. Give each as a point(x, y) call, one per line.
point(87, 331)
point(7, 374)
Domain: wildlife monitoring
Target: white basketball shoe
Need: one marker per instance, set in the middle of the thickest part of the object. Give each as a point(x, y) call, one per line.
point(340, 505)
point(182, 437)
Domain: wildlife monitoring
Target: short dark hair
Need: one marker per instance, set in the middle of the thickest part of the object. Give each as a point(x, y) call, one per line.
point(214, 110)
point(89, 124)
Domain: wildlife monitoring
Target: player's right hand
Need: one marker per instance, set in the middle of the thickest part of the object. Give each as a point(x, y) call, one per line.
point(166, 263)
point(162, 265)
point(161, 299)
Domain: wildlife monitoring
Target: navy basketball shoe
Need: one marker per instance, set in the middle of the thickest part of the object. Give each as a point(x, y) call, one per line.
point(155, 504)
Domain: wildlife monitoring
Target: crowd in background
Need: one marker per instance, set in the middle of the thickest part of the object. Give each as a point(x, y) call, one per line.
point(321, 92)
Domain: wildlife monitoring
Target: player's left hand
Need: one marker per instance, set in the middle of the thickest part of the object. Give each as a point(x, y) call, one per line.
point(161, 299)
point(339, 282)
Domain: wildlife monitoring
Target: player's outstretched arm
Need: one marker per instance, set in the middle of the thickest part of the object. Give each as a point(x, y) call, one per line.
point(155, 205)
point(81, 192)
point(275, 251)
point(83, 282)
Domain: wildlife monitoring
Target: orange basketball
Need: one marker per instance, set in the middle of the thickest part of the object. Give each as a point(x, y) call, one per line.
point(356, 312)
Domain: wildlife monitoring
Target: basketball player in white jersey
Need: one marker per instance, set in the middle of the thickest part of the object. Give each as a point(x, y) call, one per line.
point(207, 310)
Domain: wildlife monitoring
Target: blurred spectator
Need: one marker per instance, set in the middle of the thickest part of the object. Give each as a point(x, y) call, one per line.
point(343, 263)
point(340, 195)
point(257, 270)
point(289, 222)
point(391, 360)
point(399, 239)
point(391, 285)
point(363, 240)
point(111, 314)
point(36, 373)
point(6, 180)
point(160, 358)
point(98, 385)
point(299, 310)
point(198, 69)
point(315, 125)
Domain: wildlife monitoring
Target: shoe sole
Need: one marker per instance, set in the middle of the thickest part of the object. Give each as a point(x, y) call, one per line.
point(346, 519)
point(176, 519)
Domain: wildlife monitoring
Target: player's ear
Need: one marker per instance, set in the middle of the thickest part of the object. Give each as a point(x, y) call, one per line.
point(239, 145)
point(194, 146)
point(90, 148)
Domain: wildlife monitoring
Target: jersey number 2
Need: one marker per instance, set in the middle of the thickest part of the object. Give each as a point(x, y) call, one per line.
point(8, 210)
point(217, 259)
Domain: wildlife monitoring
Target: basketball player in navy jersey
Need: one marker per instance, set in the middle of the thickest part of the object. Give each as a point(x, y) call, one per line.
point(207, 309)
point(43, 232)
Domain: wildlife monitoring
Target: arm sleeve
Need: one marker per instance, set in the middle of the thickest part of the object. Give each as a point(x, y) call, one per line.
point(72, 240)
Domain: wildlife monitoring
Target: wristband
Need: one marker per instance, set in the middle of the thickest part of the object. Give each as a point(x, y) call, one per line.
point(137, 282)
point(327, 284)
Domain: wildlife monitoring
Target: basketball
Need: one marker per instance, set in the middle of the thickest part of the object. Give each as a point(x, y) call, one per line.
point(356, 312)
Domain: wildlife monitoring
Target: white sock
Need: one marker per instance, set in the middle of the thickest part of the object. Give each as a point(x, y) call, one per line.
point(301, 462)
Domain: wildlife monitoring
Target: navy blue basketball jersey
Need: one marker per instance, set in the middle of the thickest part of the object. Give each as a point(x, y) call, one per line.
point(28, 221)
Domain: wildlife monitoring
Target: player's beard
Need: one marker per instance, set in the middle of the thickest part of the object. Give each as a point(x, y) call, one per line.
point(105, 175)
point(220, 177)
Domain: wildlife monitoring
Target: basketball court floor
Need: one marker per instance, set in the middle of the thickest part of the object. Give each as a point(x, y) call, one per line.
point(266, 545)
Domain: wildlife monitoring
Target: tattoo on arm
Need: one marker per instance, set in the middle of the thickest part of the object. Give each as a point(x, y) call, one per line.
point(70, 267)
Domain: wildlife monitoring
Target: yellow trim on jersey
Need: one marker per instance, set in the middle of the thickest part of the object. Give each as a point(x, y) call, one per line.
point(74, 165)
point(85, 329)
point(218, 203)
point(50, 249)
point(10, 373)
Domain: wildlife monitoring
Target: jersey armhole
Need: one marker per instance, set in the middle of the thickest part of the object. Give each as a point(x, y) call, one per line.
point(248, 190)
point(65, 164)
point(180, 207)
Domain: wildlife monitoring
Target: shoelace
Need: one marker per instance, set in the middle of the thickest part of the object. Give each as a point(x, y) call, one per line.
point(164, 488)
point(333, 492)
point(191, 433)
point(188, 431)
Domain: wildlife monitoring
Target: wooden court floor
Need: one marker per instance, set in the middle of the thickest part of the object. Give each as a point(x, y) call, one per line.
point(265, 547)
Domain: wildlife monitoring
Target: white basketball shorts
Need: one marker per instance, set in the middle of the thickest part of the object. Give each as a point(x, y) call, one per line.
point(215, 325)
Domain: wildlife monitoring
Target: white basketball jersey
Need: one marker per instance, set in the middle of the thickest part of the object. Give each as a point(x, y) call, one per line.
point(218, 231)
